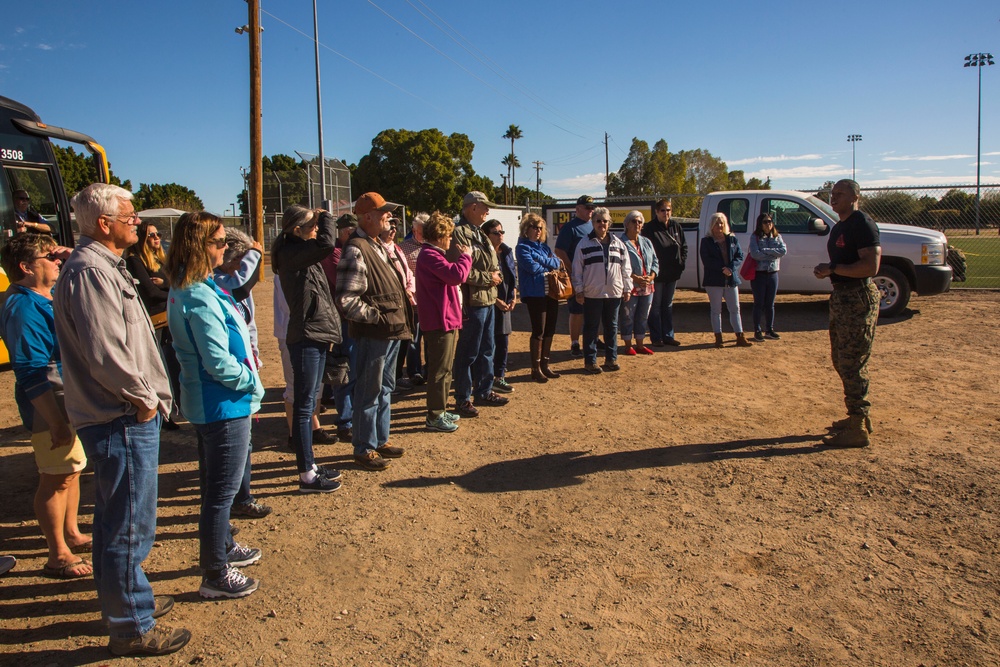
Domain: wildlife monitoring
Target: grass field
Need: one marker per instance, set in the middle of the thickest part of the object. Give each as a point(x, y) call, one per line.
point(983, 256)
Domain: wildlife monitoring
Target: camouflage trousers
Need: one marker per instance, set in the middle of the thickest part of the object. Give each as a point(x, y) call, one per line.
point(853, 316)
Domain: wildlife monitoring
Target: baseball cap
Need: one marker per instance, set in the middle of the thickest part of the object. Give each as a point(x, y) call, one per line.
point(476, 197)
point(585, 200)
point(372, 201)
point(347, 220)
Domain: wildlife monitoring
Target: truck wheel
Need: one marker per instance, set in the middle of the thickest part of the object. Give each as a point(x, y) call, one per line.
point(895, 291)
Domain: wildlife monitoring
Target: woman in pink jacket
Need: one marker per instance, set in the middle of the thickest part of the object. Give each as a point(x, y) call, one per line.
point(440, 313)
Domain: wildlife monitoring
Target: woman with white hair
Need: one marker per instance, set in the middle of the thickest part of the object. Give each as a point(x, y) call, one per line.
point(721, 258)
point(635, 312)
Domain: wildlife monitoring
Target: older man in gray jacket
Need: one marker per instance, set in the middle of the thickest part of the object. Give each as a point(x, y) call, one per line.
point(117, 394)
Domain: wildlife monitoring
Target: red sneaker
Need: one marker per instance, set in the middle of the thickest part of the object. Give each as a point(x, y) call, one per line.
point(644, 350)
point(630, 351)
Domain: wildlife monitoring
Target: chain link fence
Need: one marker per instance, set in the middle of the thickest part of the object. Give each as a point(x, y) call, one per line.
point(972, 227)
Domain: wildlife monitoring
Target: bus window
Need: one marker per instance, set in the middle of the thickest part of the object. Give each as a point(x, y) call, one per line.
point(38, 185)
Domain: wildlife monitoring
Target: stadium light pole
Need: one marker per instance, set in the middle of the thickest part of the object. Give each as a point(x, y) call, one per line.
point(854, 139)
point(979, 61)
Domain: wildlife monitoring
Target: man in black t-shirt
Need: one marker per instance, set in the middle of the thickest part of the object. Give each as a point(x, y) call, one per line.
point(855, 254)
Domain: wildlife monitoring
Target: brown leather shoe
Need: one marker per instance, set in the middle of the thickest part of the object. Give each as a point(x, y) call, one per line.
point(372, 460)
point(161, 640)
point(387, 451)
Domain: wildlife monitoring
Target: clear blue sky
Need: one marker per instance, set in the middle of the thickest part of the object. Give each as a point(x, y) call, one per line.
point(772, 88)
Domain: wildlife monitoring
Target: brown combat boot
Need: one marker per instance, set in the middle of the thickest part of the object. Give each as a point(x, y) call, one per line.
point(741, 341)
point(854, 435)
point(841, 424)
point(546, 353)
point(718, 340)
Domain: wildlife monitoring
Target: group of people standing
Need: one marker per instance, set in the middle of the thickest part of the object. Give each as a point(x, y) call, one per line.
point(93, 387)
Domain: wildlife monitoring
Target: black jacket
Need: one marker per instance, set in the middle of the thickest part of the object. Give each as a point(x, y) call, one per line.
point(670, 248)
point(311, 314)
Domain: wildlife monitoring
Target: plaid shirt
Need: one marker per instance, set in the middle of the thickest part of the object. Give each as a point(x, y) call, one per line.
point(352, 283)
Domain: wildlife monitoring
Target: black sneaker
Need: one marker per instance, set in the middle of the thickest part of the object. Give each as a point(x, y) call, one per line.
point(345, 433)
point(319, 485)
point(232, 584)
point(576, 350)
point(329, 473)
point(160, 640)
point(492, 399)
point(758, 336)
point(773, 335)
point(241, 556)
point(672, 342)
point(321, 437)
point(251, 510)
point(417, 379)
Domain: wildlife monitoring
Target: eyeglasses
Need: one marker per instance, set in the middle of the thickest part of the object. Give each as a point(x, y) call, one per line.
point(218, 243)
point(51, 257)
point(130, 219)
point(153, 235)
point(497, 232)
point(607, 222)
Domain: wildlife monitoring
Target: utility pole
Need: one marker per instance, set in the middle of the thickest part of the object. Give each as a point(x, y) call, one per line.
point(538, 182)
point(506, 192)
point(607, 171)
point(256, 192)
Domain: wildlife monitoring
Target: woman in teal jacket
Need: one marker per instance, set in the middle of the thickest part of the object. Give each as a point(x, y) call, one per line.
point(220, 389)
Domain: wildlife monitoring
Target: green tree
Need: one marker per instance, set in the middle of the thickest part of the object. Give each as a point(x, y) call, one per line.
point(169, 195)
point(513, 133)
point(893, 206)
point(78, 170)
point(425, 170)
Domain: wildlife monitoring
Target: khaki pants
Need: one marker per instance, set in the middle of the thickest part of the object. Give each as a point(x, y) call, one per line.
point(440, 358)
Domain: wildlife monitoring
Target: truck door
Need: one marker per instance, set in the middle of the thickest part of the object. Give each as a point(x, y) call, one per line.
point(806, 248)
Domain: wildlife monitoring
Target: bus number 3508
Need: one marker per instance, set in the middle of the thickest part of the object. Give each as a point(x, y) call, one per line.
point(11, 154)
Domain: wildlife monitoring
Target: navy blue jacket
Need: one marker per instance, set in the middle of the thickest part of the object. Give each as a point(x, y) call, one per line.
point(713, 263)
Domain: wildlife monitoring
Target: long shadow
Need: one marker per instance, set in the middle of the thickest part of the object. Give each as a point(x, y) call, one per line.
point(551, 471)
point(87, 655)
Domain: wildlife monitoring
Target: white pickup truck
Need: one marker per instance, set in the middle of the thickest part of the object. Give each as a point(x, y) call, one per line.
point(914, 259)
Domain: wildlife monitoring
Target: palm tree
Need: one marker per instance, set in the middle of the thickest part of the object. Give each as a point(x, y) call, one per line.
point(511, 162)
point(513, 132)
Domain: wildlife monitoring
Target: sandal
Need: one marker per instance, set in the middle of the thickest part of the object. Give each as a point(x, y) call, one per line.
point(66, 571)
point(84, 548)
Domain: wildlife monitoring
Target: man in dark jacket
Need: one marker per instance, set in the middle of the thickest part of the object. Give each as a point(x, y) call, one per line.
point(671, 252)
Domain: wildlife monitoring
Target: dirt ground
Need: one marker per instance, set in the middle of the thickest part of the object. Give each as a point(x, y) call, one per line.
point(678, 512)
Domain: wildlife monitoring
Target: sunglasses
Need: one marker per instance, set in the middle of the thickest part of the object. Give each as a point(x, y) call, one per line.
point(497, 232)
point(218, 243)
point(153, 235)
point(50, 256)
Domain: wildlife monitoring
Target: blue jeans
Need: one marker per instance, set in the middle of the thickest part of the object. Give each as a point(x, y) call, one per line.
point(661, 312)
point(243, 495)
point(344, 396)
point(765, 288)
point(373, 392)
point(473, 372)
point(597, 312)
point(732, 297)
point(125, 455)
point(308, 363)
point(634, 315)
point(223, 453)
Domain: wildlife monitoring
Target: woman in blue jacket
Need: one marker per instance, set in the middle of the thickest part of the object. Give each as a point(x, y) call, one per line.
point(535, 259)
point(721, 258)
point(220, 389)
point(766, 248)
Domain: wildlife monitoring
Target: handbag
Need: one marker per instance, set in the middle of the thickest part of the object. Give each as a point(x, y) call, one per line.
point(336, 373)
point(748, 271)
point(558, 285)
point(159, 320)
